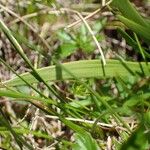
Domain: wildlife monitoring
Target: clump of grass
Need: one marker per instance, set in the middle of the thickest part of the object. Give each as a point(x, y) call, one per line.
point(79, 104)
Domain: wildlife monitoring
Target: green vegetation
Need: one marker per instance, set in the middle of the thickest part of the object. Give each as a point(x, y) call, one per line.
point(56, 91)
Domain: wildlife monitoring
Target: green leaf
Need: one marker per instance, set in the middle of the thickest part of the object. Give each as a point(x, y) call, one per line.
point(63, 36)
point(129, 12)
point(26, 97)
point(22, 131)
point(98, 26)
point(83, 69)
point(84, 139)
point(85, 142)
point(83, 32)
point(81, 104)
point(87, 46)
point(67, 49)
point(137, 28)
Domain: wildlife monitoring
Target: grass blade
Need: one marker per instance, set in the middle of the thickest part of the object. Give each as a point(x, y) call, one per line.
point(128, 11)
point(19, 49)
point(137, 28)
point(82, 69)
point(26, 82)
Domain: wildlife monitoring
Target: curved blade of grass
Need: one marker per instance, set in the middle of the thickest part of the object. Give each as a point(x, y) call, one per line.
point(129, 12)
point(128, 38)
point(22, 131)
point(36, 101)
point(29, 98)
point(72, 125)
point(85, 142)
point(81, 69)
point(137, 28)
point(20, 51)
point(140, 48)
point(26, 82)
point(132, 42)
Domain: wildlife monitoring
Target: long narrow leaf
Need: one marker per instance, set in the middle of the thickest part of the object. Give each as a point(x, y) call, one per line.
point(20, 51)
point(18, 95)
point(128, 11)
point(137, 28)
point(81, 69)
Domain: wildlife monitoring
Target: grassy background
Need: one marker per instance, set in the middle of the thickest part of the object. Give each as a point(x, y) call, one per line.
point(74, 75)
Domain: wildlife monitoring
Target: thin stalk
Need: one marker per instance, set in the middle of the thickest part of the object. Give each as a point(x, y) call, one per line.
point(26, 82)
point(19, 49)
